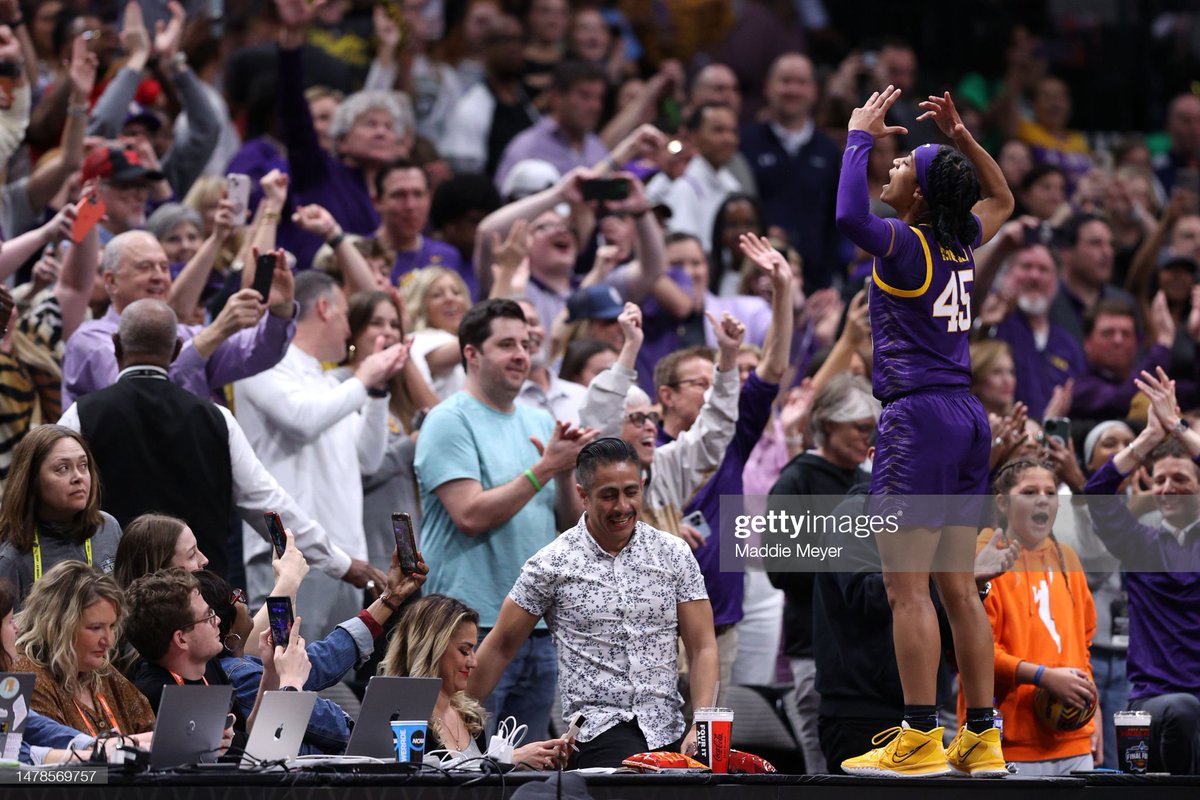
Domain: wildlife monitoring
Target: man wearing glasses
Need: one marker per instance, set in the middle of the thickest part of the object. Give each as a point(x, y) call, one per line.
point(178, 636)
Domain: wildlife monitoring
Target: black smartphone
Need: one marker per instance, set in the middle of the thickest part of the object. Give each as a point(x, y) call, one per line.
point(1057, 428)
point(275, 529)
point(264, 273)
point(605, 189)
point(406, 542)
point(280, 619)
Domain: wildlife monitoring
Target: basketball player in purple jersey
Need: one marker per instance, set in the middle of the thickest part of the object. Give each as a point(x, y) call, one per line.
point(933, 437)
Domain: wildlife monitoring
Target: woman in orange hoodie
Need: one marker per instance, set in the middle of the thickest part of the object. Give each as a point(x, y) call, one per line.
point(1042, 621)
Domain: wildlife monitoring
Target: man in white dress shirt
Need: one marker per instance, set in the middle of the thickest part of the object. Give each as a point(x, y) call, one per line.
point(318, 435)
point(696, 195)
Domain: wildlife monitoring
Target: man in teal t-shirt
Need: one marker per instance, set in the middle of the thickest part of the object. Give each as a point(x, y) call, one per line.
point(486, 469)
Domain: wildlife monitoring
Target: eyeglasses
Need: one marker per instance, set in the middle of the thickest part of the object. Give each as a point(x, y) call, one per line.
point(551, 228)
point(211, 618)
point(703, 383)
point(638, 418)
point(239, 596)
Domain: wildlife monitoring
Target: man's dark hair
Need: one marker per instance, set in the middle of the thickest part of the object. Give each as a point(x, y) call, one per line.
point(1070, 230)
point(569, 73)
point(476, 324)
point(396, 166)
point(695, 120)
point(311, 286)
point(578, 353)
point(1111, 307)
point(601, 453)
point(1039, 171)
point(1171, 448)
point(159, 604)
point(453, 199)
point(218, 593)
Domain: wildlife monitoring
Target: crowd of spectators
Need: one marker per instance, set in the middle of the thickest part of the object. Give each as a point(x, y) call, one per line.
point(493, 263)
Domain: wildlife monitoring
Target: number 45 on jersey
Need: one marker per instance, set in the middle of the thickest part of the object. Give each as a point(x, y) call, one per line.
point(954, 303)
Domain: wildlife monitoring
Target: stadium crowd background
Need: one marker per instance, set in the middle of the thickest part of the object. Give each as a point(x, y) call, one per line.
point(430, 155)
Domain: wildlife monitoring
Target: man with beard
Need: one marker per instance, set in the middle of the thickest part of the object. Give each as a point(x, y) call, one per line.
point(487, 470)
point(1045, 355)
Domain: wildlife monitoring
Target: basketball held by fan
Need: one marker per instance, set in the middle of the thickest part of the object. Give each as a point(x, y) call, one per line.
point(1056, 715)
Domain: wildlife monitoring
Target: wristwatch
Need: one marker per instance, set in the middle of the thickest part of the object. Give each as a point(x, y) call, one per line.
point(985, 591)
point(288, 689)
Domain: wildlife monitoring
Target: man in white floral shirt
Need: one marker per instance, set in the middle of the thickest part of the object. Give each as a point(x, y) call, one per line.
point(616, 593)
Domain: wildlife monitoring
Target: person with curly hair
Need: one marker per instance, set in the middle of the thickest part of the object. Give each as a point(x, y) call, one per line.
point(934, 437)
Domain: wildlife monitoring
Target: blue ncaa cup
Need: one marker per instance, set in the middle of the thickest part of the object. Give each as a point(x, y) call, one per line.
point(409, 736)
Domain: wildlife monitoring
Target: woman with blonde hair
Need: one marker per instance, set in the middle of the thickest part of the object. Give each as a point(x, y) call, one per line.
point(993, 376)
point(436, 638)
point(51, 509)
point(437, 299)
point(69, 628)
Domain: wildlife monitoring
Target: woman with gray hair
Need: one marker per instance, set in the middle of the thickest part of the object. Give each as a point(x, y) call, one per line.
point(369, 129)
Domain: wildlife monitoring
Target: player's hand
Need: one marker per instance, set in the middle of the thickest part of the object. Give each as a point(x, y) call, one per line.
point(942, 111)
point(871, 116)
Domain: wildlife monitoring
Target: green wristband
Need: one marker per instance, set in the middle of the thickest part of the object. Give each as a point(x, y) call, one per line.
point(533, 479)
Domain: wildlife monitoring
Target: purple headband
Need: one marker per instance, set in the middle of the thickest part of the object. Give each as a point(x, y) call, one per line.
point(923, 156)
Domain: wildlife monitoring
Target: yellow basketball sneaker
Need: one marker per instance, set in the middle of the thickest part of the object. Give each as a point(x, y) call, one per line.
point(909, 753)
point(977, 754)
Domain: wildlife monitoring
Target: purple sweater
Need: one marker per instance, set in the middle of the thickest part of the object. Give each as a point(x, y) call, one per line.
point(1039, 371)
point(1100, 395)
point(1164, 606)
point(316, 176)
point(726, 589)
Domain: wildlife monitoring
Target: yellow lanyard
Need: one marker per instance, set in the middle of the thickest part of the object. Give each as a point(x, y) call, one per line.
point(37, 555)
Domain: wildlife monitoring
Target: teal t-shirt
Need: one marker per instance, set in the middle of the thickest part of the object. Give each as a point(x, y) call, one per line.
point(463, 438)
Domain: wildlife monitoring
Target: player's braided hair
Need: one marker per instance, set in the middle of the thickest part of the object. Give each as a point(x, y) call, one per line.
point(954, 187)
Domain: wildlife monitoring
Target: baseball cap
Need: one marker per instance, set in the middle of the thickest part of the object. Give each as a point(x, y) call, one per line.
point(530, 176)
point(594, 302)
point(144, 115)
point(1180, 262)
point(121, 164)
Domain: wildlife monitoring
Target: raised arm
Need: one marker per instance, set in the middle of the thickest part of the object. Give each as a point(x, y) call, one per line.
point(996, 203)
point(854, 218)
point(186, 289)
point(777, 346)
point(513, 627)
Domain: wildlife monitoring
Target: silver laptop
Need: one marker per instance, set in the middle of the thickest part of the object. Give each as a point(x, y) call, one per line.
point(390, 699)
point(16, 693)
point(190, 722)
point(279, 727)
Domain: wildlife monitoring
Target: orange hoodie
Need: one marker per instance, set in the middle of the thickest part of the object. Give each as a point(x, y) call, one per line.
point(1041, 616)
